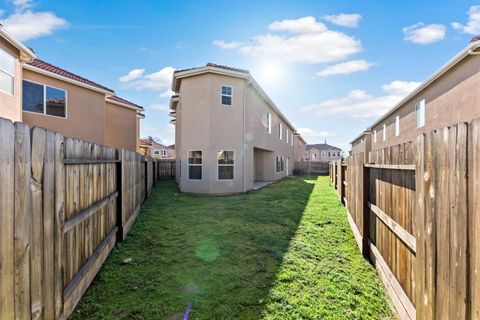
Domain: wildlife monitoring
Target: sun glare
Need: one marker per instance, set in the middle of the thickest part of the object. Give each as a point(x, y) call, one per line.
point(270, 73)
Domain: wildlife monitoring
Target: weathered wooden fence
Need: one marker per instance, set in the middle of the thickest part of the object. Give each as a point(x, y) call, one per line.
point(414, 210)
point(312, 167)
point(63, 205)
point(165, 169)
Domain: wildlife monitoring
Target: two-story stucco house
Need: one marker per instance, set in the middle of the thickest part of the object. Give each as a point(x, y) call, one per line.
point(299, 148)
point(228, 133)
point(39, 93)
point(451, 95)
point(157, 150)
point(322, 152)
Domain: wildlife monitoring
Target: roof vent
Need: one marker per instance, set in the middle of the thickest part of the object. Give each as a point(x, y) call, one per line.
point(474, 39)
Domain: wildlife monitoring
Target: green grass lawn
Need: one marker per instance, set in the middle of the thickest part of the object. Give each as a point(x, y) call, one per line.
point(283, 252)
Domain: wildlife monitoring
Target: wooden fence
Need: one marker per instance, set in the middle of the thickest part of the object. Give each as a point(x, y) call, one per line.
point(312, 167)
point(414, 210)
point(165, 169)
point(63, 205)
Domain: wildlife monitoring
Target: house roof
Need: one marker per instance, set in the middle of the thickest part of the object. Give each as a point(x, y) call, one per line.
point(230, 71)
point(471, 48)
point(321, 147)
point(121, 101)
point(17, 44)
point(40, 64)
point(145, 142)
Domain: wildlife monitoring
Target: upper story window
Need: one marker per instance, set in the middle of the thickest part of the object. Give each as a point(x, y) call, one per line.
point(374, 136)
point(314, 156)
point(269, 122)
point(323, 154)
point(44, 99)
point(420, 112)
point(195, 165)
point(226, 164)
point(7, 72)
point(280, 130)
point(291, 139)
point(396, 123)
point(384, 131)
point(156, 152)
point(227, 95)
point(164, 153)
point(286, 135)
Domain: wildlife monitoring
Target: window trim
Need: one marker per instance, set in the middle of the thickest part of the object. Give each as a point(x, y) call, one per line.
point(396, 127)
point(9, 74)
point(374, 136)
point(269, 123)
point(188, 165)
point(164, 153)
point(226, 95)
point(384, 132)
point(45, 100)
point(286, 136)
point(280, 131)
point(417, 112)
point(226, 165)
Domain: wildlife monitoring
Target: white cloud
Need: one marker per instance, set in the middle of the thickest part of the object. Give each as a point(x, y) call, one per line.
point(26, 25)
point(346, 68)
point(167, 94)
point(424, 34)
point(136, 79)
point(312, 133)
point(159, 107)
point(473, 24)
point(165, 133)
point(22, 4)
point(306, 41)
point(132, 75)
point(360, 104)
point(350, 20)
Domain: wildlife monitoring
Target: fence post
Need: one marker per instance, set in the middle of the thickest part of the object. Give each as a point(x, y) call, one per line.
point(366, 209)
point(342, 182)
point(119, 176)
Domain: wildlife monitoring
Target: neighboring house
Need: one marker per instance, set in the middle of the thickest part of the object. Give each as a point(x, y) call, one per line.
point(299, 148)
point(40, 94)
point(228, 133)
point(362, 143)
point(451, 95)
point(322, 152)
point(157, 150)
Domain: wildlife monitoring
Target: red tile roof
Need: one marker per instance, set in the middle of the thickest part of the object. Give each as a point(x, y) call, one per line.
point(146, 142)
point(64, 73)
point(121, 100)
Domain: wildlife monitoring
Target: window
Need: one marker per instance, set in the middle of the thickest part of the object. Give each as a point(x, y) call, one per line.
point(269, 122)
point(195, 165)
point(396, 122)
point(226, 95)
point(420, 111)
point(164, 153)
point(384, 129)
point(286, 135)
point(329, 153)
point(280, 129)
point(7, 72)
point(43, 99)
point(291, 139)
point(323, 154)
point(314, 156)
point(156, 152)
point(226, 164)
point(280, 164)
point(374, 136)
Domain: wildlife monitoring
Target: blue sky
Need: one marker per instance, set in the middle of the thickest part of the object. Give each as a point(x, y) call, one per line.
point(332, 67)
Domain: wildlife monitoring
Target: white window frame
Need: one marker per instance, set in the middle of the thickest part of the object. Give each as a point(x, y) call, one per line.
point(45, 100)
point(384, 131)
point(226, 95)
point(420, 113)
point(225, 165)
point(198, 165)
point(374, 136)
point(269, 123)
point(291, 137)
point(164, 153)
point(286, 136)
point(280, 130)
point(396, 123)
point(9, 74)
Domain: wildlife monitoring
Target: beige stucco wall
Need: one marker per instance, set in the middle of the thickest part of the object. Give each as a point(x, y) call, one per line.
point(120, 127)
point(202, 123)
point(451, 99)
point(85, 111)
point(10, 106)
point(158, 148)
point(298, 149)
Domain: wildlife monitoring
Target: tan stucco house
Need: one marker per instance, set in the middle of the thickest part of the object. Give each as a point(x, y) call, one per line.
point(228, 133)
point(299, 148)
point(451, 95)
point(322, 152)
point(157, 150)
point(39, 93)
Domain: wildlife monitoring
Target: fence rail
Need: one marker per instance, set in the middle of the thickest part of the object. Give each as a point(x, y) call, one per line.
point(64, 203)
point(414, 210)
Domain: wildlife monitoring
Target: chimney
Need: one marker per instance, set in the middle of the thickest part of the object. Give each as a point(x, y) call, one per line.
point(325, 141)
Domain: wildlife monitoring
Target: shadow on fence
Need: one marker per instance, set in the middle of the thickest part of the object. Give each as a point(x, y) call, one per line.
point(64, 203)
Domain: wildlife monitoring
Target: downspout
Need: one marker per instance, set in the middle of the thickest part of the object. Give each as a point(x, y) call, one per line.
point(243, 153)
